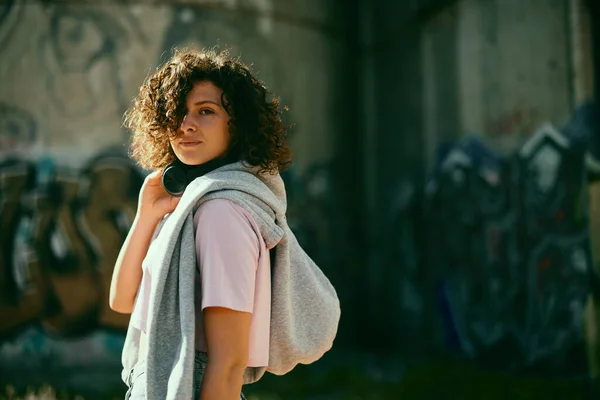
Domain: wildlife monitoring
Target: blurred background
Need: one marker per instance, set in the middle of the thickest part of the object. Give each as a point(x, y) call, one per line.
point(445, 179)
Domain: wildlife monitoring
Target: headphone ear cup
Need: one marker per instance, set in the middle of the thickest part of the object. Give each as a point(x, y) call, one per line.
point(174, 179)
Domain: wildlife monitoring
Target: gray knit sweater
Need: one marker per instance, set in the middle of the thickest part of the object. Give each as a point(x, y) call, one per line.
point(305, 309)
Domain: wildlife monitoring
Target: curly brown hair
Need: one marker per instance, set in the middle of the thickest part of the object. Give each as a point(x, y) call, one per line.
point(257, 131)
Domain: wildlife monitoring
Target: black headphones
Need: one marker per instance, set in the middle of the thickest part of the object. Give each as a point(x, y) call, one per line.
point(177, 175)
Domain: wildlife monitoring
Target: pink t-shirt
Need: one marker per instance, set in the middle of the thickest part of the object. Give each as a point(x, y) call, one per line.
point(234, 272)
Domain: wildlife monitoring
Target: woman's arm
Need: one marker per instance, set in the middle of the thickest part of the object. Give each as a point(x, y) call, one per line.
point(153, 203)
point(227, 249)
point(227, 334)
point(127, 273)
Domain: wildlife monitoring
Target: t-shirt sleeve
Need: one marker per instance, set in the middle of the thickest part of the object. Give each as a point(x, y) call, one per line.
point(227, 250)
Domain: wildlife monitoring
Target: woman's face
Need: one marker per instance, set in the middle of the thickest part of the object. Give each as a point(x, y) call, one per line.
point(204, 131)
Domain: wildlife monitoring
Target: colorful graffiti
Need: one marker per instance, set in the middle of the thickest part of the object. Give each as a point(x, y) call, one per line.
point(61, 232)
point(509, 248)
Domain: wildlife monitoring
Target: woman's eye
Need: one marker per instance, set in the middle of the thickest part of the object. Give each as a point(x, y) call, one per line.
point(206, 111)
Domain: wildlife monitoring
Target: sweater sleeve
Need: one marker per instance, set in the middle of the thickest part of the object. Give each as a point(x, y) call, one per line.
point(227, 250)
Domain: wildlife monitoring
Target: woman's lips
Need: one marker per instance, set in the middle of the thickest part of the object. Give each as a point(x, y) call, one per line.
point(189, 143)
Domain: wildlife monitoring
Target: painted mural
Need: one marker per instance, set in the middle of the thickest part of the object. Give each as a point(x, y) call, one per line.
point(510, 252)
point(61, 233)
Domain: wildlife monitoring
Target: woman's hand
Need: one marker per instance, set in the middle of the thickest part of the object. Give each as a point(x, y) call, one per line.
point(154, 201)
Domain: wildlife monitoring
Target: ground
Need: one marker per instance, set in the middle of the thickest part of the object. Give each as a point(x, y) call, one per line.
point(442, 379)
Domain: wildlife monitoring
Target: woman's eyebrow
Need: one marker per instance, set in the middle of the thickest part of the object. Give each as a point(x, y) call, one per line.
point(206, 101)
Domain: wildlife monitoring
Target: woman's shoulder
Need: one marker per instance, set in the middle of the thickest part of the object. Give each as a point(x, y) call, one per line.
point(223, 223)
point(222, 213)
point(215, 208)
point(217, 205)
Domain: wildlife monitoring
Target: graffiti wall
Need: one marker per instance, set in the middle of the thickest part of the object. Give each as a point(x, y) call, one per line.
point(510, 251)
point(491, 258)
point(67, 190)
point(62, 230)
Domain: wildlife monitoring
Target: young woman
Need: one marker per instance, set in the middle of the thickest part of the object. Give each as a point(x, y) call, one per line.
point(207, 115)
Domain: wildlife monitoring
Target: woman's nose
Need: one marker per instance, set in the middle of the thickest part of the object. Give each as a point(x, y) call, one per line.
point(187, 125)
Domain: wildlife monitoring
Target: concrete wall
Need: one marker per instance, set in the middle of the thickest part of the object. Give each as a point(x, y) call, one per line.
point(68, 72)
point(514, 60)
point(445, 69)
point(499, 68)
point(438, 70)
